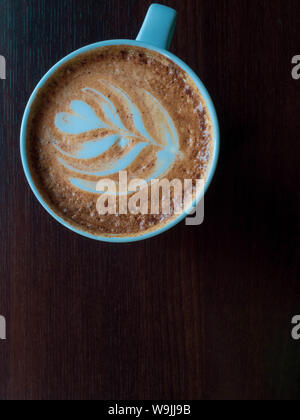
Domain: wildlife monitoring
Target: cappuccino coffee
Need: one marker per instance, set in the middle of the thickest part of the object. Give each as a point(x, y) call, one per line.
point(116, 109)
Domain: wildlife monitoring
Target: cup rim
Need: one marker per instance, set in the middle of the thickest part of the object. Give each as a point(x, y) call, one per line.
point(216, 141)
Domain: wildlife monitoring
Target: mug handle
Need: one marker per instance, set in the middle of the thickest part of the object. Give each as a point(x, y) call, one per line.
point(159, 26)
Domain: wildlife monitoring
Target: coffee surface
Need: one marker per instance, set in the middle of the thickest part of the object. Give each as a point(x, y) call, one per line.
point(119, 108)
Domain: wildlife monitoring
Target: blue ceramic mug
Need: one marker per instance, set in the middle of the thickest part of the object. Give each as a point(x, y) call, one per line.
point(156, 35)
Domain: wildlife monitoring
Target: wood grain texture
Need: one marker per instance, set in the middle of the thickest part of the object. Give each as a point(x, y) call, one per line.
point(199, 312)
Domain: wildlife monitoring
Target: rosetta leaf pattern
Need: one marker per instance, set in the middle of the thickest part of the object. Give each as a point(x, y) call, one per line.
point(124, 141)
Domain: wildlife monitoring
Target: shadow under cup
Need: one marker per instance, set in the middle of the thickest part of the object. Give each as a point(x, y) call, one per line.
point(215, 138)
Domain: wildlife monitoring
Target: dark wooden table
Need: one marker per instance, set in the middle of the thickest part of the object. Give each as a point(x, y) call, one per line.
point(199, 312)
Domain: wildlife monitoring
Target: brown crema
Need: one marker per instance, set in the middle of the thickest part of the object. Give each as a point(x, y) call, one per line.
point(115, 108)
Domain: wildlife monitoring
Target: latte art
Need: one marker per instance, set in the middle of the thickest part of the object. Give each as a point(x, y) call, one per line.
point(115, 109)
point(123, 141)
